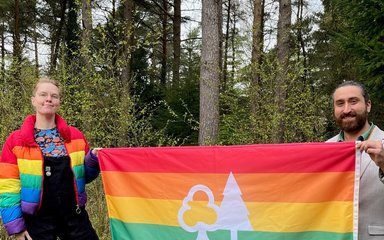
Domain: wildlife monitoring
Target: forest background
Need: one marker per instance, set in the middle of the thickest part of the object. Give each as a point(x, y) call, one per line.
point(149, 73)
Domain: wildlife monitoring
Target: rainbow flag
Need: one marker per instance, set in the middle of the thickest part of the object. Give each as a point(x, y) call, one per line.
point(304, 191)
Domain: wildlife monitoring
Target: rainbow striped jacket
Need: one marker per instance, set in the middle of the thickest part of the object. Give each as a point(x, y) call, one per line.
point(21, 171)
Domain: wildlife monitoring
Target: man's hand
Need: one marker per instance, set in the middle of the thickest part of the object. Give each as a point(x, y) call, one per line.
point(375, 151)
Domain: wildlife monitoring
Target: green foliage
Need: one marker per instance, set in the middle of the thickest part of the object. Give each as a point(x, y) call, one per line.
point(350, 41)
point(96, 209)
point(5, 6)
point(15, 98)
point(361, 34)
point(178, 114)
point(304, 116)
point(104, 109)
point(235, 121)
point(349, 46)
point(177, 106)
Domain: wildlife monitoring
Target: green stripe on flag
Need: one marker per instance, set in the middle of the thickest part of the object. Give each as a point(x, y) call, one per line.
point(134, 231)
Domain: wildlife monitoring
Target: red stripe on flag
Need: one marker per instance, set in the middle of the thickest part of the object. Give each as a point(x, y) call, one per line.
point(261, 158)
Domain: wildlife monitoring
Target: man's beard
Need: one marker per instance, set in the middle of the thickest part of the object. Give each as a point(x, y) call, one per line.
point(354, 125)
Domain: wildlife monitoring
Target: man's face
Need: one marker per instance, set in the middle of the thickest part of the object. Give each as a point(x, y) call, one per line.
point(350, 109)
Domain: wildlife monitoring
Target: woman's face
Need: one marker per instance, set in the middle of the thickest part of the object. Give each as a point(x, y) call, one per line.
point(47, 99)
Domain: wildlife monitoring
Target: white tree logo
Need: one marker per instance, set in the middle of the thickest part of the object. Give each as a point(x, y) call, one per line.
point(232, 214)
point(200, 227)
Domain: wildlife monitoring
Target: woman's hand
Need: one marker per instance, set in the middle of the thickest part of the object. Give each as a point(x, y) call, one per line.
point(95, 151)
point(22, 236)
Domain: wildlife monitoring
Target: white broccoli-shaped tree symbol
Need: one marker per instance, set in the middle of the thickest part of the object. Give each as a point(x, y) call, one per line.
point(196, 225)
point(233, 214)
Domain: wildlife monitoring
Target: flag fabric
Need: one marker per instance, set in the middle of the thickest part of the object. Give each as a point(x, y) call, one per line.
point(299, 191)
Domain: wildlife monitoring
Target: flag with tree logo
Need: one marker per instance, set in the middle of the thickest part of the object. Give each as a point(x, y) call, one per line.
point(265, 192)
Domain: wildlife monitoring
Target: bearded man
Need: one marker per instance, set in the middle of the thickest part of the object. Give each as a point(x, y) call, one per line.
point(352, 105)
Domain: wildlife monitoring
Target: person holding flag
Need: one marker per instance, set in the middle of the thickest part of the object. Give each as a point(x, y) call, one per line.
point(44, 167)
point(351, 105)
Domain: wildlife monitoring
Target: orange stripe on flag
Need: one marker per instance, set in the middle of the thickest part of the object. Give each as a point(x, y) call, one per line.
point(277, 187)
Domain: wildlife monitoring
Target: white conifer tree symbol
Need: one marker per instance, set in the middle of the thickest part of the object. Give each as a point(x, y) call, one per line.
point(233, 214)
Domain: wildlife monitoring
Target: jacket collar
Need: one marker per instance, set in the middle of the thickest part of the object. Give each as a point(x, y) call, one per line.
point(27, 130)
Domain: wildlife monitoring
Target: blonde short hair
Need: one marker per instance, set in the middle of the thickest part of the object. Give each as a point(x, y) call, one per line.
point(46, 80)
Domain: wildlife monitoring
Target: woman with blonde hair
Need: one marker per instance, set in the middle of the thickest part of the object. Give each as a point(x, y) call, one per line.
point(44, 167)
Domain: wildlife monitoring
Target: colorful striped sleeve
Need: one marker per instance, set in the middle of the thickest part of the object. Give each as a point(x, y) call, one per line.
point(10, 204)
point(86, 166)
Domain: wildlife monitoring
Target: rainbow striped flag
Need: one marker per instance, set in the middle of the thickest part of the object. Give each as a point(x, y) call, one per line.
point(303, 191)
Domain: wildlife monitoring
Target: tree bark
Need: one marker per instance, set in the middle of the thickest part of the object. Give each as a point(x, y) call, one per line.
point(35, 42)
point(226, 46)
point(86, 14)
point(210, 72)
point(114, 35)
point(128, 42)
point(256, 58)
point(176, 41)
point(73, 38)
point(283, 50)
point(233, 38)
point(301, 49)
point(16, 34)
point(163, 60)
point(57, 38)
point(2, 51)
point(220, 30)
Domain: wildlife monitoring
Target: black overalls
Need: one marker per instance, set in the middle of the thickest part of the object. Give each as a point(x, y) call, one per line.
point(59, 215)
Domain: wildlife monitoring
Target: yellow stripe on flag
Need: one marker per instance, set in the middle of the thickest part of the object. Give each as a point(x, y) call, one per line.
point(270, 217)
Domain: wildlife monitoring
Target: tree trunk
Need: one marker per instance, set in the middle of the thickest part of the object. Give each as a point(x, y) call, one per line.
point(226, 46)
point(72, 30)
point(163, 61)
point(114, 37)
point(220, 30)
point(2, 51)
point(256, 58)
point(86, 14)
point(301, 49)
point(16, 35)
point(283, 49)
point(176, 41)
point(233, 38)
point(35, 42)
point(128, 42)
point(210, 72)
point(56, 38)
